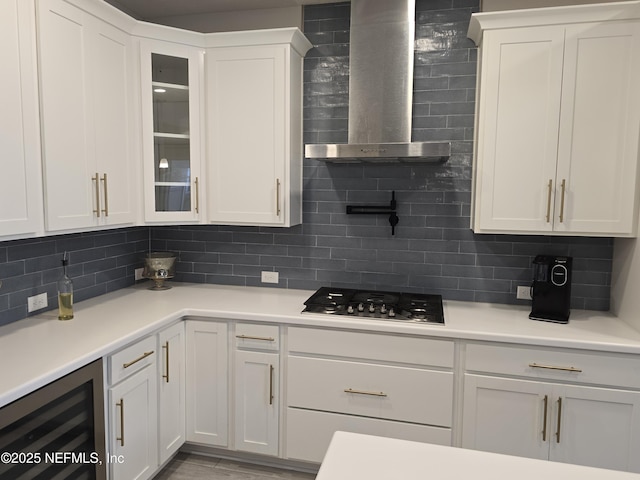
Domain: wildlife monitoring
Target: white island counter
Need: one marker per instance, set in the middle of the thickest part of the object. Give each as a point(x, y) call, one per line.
point(354, 456)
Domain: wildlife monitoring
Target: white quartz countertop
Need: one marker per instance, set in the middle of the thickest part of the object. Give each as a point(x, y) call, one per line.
point(352, 455)
point(40, 349)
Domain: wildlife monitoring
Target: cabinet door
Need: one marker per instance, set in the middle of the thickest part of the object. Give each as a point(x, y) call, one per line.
point(597, 427)
point(506, 416)
point(256, 400)
point(171, 120)
point(111, 80)
point(133, 414)
point(207, 390)
point(598, 147)
point(171, 391)
point(20, 182)
point(247, 149)
point(66, 116)
point(517, 123)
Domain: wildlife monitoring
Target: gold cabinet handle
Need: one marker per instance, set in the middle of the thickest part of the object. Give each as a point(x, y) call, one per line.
point(197, 195)
point(544, 421)
point(121, 437)
point(553, 367)
point(249, 337)
point(364, 392)
point(277, 197)
point(165, 347)
point(270, 384)
point(141, 357)
point(563, 188)
point(105, 210)
point(559, 417)
point(549, 188)
point(97, 180)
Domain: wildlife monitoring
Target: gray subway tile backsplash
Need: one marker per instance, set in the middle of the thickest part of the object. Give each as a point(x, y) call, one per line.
point(433, 249)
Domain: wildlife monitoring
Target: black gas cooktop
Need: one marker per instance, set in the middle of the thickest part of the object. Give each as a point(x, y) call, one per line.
point(373, 304)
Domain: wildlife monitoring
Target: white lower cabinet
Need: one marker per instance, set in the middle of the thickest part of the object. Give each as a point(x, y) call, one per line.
point(256, 401)
point(378, 384)
point(146, 404)
point(207, 382)
point(578, 424)
point(171, 390)
point(133, 412)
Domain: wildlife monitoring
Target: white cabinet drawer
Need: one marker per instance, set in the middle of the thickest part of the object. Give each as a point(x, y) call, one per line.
point(379, 347)
point(309, 432)
point(563, 365)
point(370, 390)
point(257, 336)
point(131, 359)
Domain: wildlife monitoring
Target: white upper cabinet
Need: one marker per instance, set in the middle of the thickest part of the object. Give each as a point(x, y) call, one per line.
point(86, 116)
point(557, 121)
point(20, 182)
point(254, 127)
point(171, 98)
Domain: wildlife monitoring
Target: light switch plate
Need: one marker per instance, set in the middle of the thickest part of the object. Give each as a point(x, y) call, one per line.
point(523, 292)
point(37, 302)
point(270, 277)
point(138, 274)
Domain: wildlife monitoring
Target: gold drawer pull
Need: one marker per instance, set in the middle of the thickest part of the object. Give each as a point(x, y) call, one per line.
point(549, 188)
point(563, 186)
point(97, 180)
point(121, 437)
point(544, 422)
point(105, 210)
point(165, 347)
point(559, 419)
point(552, 367)
point(141, 357)
point(364, 392)
point(249, 337)
point(270, 384)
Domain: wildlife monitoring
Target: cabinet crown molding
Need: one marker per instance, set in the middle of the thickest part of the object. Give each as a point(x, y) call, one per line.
point(605, 12)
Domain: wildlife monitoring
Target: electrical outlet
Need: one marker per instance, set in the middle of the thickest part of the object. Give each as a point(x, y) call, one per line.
point(138, 274)
point(37, 302)
point(270, 277)
point(523, 292)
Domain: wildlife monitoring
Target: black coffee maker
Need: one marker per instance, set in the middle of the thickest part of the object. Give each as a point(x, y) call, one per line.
point(551, 289)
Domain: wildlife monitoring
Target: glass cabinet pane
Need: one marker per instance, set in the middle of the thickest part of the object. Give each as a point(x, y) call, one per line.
point(171, 132)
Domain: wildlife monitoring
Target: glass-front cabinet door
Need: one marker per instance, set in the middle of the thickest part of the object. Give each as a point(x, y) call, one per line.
point(171, 93)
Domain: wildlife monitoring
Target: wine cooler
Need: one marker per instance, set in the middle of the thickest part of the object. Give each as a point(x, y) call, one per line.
point(58, 431)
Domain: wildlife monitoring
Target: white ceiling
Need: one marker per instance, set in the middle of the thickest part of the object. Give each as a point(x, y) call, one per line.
point(149, 9)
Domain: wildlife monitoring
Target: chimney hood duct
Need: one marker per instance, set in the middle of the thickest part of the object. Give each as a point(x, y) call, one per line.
point(381, 89)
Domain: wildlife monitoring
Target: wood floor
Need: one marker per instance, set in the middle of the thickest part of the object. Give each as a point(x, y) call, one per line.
point(188, 466)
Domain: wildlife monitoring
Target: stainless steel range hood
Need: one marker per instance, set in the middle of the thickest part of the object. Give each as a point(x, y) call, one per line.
point(381, 89)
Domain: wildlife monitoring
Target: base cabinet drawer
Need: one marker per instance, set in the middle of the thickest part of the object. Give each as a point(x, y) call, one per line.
point(309, 432)
point(371, 390)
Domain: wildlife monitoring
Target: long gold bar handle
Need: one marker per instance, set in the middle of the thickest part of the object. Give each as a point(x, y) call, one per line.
point(248, 337)
point(559, 418)
point(553, 367)
point(97, 180)
point(141, 357)
point(165, 347)
point(544, 421)
point(270, 384)
point(197, 195)
point(105, 210)
point(563, 186)
point(277, 197)
point(364, 392)
point(121, 437)
point(549, 188)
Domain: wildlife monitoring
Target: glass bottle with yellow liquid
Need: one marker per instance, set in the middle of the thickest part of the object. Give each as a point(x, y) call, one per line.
point(65, 293)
